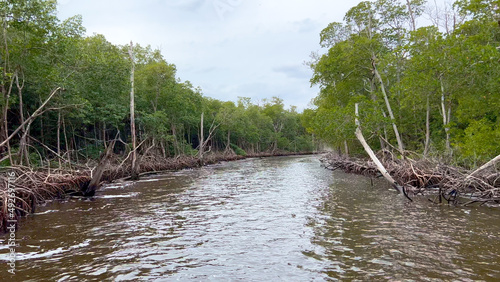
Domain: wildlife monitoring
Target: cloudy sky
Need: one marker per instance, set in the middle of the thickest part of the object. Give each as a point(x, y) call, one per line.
point(230, 48)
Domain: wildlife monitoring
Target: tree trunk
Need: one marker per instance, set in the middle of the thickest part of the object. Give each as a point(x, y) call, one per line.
point(162, 145)
point(104, 135)
point(346, 147)
point(446, 116)
point(388, 105)
point(382, 140)
point(4, 130)
point(177, 150)
point(59, 137)
point(228, 145)
point(412, 16)
point(5, 127)
point(372, 155)
point(427, 128)
point(42, 134)
point(135, 175)
point(89, 191)
point(23, 150)
point(201, 138)
point(485, 166)
point(66, 142)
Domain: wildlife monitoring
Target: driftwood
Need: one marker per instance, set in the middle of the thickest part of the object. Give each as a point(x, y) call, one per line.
point(426, 177)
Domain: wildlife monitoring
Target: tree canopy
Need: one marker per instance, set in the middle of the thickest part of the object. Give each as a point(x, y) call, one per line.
point(40, 54)
point(440, 81)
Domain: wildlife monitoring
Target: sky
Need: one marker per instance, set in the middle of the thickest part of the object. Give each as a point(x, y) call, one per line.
point(229, 48)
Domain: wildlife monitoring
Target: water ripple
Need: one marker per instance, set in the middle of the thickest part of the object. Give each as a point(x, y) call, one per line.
point(283, 219)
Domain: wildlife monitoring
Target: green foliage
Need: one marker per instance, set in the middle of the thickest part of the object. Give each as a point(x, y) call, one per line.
point(5, 163)
point(304, 143)
point(93, 151)
point(35, 159)
point(480, 139)
point(450, 74)
point(238, 150)
point(42, 54)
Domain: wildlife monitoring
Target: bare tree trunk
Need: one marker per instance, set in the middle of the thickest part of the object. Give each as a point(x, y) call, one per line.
point(135, 175)
point(485, 166)
point(163, 149)
point(346, 147)
point(372, 155)
point(42, 134)
point(388, 105)
point(89, 191)
point(59, 137)
point(382, 140)
point(382, 86)
point(427, 128)
point(5, 123)
point(23, 144)
point(66, 142)
point(177, 150)
point(75, 144)
point(104, 135)
point(412, 16)
point(228, 145)
point(201, 138)
point(446, 116)
point(23, 150)
point(374, 99)
point(4, 131)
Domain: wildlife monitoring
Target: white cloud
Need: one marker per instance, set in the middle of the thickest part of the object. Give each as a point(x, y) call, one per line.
point(229, 48)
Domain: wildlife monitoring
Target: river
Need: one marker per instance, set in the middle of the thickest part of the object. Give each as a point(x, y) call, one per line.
point(272, 219)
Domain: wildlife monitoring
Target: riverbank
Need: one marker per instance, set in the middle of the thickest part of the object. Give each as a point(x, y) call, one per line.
point(446, 183)
point(22, 188)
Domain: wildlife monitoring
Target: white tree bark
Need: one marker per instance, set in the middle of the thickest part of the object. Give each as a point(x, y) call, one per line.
point(372, 155)
point(132, 113)
point(485, 166)
point(446, 115)
point(427, 128)
point(412, 16)
point(389, 108)
point(202, 143)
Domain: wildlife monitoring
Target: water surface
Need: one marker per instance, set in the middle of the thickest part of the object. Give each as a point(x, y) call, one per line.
point(273, 219)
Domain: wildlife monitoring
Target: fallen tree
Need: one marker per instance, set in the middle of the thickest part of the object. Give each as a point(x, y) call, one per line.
point(426, 177)
point(423, 176)
point(376, 161)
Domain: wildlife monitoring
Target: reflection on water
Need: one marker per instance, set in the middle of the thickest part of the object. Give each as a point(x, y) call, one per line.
point(255, 220)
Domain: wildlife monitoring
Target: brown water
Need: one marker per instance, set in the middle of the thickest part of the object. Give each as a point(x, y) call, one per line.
point(276, 219)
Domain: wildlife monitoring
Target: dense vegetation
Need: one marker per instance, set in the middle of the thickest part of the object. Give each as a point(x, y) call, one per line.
point(429, 89)
point(90, 81)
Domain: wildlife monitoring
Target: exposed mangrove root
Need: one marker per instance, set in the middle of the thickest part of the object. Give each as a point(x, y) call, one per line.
point(425, 177)
point(32, 186)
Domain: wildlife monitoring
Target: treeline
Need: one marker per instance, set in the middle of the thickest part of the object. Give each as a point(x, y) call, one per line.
point(429, 89)
point(66, 95)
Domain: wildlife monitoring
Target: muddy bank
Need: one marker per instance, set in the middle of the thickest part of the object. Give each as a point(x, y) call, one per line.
point(22, 188)
point(445, 183)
